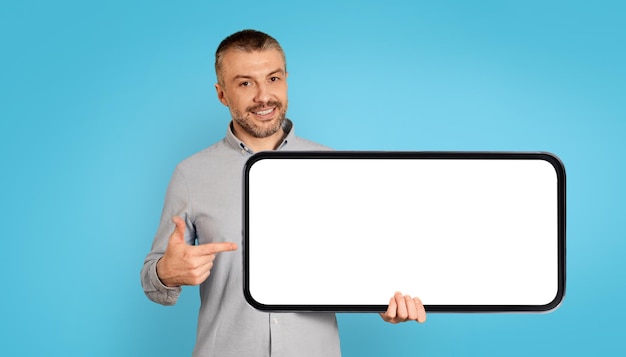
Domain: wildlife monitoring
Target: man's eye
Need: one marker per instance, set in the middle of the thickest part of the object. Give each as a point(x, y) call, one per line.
point(245, 84)
point(274, 79)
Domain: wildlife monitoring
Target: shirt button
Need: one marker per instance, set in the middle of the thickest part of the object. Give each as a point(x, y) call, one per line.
point(275, 321)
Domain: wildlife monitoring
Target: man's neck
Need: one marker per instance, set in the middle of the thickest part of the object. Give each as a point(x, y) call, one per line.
point(259, 144)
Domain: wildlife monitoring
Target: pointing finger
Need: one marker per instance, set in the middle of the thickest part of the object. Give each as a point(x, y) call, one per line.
point(213, 248)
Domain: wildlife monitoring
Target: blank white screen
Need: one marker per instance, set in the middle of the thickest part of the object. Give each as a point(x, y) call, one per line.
point(354, 231)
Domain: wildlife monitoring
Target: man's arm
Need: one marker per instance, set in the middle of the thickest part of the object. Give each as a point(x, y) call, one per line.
point(174, 260)
point(177, 203)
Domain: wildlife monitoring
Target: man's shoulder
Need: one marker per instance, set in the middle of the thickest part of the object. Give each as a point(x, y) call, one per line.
point(205, 156)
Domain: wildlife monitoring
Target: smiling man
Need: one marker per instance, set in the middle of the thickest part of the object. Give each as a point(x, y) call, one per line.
point(253, 85)
point(201, 218)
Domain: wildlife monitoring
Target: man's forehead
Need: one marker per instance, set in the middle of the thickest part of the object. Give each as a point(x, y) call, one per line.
point(238, 62)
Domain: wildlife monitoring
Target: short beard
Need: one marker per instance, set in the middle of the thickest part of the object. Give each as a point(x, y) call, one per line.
point(258, 131)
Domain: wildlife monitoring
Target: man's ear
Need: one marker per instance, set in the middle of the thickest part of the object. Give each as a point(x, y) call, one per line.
point(220, 94)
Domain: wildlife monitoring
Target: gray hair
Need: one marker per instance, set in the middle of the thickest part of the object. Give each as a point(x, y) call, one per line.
point(247, 41)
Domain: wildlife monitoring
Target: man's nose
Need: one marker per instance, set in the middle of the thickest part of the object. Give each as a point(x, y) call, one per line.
point(263, 94)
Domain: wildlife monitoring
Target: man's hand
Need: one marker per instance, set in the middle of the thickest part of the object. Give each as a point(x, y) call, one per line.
point(404, 308)
point(184, 264)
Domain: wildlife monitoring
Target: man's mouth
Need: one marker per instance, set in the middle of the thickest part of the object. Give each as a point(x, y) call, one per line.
point(264, 112)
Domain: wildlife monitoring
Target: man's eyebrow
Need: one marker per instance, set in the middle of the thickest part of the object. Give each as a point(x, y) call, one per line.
point(278, 71)
point(241, 76)
point(245, 76)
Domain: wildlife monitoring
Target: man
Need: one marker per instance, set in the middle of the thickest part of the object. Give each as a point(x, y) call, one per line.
point(203, 206)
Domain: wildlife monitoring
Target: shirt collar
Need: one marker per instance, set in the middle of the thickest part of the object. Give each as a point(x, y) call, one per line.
point(240, 146)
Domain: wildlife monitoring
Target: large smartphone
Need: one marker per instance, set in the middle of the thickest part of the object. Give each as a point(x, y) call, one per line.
point(464, 231)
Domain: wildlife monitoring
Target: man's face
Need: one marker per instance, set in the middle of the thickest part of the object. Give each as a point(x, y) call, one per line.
point(253, 85)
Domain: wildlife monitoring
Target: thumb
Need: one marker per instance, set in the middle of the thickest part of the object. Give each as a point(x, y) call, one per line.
point(179, 231)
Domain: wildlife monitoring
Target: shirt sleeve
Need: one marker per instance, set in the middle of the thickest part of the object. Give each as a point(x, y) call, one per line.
point(177, 203)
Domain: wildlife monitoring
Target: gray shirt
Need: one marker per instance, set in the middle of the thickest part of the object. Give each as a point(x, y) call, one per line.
point(206, 191)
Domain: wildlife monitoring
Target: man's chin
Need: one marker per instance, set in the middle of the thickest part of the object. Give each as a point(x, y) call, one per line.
point(264, 129)
point(270, 129)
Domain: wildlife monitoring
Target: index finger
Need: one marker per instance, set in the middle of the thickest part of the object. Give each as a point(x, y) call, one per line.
point(213, 248)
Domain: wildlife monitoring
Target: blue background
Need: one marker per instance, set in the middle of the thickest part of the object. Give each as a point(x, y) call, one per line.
point(100, 100)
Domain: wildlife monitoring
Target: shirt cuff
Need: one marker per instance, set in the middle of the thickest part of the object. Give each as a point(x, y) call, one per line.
point(162, 294)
